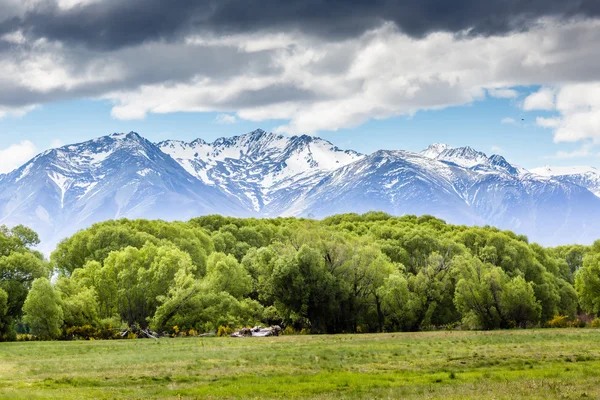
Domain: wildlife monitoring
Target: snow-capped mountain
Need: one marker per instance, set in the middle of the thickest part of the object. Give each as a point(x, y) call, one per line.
point(397, 182)
point(470, 158)
point(122, 175)
point(588, 177)
point(265, 175)
point(265, 171)
point(489, 192)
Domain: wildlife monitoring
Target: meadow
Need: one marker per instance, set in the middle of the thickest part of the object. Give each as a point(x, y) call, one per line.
point(533, 364)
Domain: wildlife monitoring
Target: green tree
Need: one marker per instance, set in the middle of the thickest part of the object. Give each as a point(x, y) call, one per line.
point(371, 270)
point(42, 310)
point(304, 287)
point(519, 303)
point(587, 284)
point(3, 308)
point(97, 242)
point(397, 303)
point(79, 303)
point(18, 270)
point(433, 287)
point(225, 274)
point(478, 293)
point(365, 272)
point(131, 280)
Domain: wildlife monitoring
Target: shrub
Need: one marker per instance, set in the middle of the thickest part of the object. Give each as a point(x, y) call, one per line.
point(578, 323)
point(559, 321)
point(192, 332)
point(82, 332)
point(595, 323)
point(109, 328)
point(289, 331)
point(224, 331)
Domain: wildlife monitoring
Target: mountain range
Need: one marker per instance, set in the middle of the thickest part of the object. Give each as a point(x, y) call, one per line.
point(262, 174)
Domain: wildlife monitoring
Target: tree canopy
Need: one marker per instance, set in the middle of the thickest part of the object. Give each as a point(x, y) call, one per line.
point(346, 273)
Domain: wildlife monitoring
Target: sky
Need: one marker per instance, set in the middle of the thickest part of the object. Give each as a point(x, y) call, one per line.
point(519, 78)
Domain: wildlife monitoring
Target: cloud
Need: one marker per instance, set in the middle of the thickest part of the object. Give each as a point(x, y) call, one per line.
point(543, 99)
point(225, 119)
point(16, 111)
point(583, 151)
point(202, 56)
point(578, 106)
point(503, 93)
point(548, 122)
point(508, 121)
point(111, 24)
point(16, 155)
point(320, 85)
point(497, 149)
point(68, 4)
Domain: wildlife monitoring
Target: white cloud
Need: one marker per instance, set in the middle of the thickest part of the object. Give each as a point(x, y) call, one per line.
point(548, 122)
point(503, 93)
point(578, 106)
point(68, 4)
point(17, 112)
point(226, 119)
point(311, 83)
point(583, 151)
point(497, 149)
point(16, 155)
point(350, 82)
point(508, 120)
point(543, 99)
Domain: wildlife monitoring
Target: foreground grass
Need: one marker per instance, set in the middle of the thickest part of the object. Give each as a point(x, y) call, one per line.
point(533, 364)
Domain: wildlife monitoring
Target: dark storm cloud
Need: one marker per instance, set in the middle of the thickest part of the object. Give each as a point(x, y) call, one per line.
point(113, 24)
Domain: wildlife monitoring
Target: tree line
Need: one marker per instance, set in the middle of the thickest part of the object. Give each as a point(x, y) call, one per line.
point(346, 273)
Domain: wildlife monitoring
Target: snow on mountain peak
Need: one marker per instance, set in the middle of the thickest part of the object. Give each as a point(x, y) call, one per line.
point(468, 157)
point(587, 177)
point(258, 167)
point(434, 150)
point(118, 136)
point(268, 175)
point(463, 156)
point(497, 162)
point(277, 154)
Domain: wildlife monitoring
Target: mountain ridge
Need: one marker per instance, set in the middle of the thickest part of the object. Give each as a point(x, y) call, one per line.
point(263, 174)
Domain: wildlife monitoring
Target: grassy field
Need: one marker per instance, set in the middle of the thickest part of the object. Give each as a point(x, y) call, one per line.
point(533, 364)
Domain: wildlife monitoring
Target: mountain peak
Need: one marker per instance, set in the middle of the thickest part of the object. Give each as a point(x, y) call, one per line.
point(435, 149)
point(464, 156)
point(498, 162)
point(257, 132)
point(122, 135)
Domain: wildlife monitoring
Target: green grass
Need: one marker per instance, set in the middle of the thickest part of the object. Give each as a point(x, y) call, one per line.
point(532, 364)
